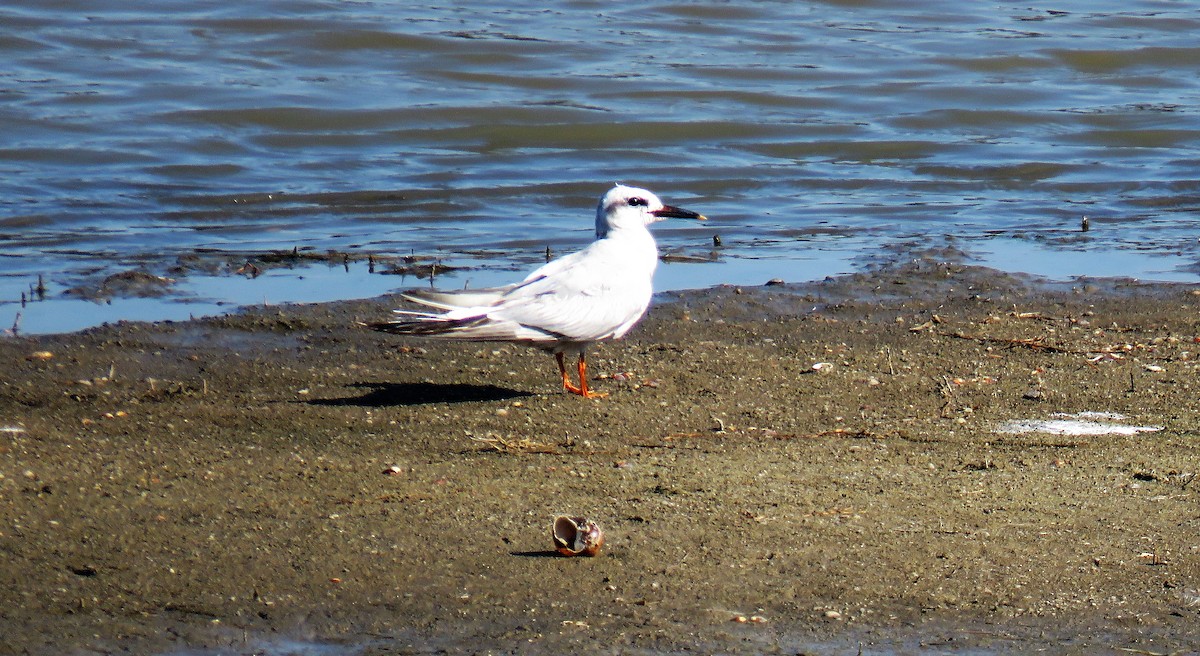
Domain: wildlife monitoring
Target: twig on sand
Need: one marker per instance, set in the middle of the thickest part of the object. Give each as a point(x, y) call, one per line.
point(1036, 343)
point(523, 445)
point(854, 433)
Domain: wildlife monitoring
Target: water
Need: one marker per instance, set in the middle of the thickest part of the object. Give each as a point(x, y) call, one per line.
point(811, 133)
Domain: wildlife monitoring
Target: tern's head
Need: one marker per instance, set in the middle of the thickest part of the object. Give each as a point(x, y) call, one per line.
point(630, 207)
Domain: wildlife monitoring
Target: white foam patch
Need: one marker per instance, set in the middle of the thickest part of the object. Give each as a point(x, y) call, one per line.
point(1081, 423)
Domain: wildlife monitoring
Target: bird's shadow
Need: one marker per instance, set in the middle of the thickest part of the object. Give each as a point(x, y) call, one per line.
point(379, 395)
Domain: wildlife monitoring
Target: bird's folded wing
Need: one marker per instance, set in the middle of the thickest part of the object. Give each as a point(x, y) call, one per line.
point(573, 308)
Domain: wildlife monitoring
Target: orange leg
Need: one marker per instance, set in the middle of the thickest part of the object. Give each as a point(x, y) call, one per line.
point(582, 388)
point(562, 369)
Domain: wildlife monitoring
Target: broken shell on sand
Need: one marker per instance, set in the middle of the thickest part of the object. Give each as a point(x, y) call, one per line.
point(574, 536)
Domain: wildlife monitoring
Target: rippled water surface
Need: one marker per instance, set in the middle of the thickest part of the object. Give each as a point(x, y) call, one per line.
point(186, 139)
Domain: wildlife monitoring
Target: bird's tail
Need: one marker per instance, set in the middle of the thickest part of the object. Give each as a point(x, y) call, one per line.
point(427, 325)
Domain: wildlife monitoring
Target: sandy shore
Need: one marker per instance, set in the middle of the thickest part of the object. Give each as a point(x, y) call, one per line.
point(286, 474)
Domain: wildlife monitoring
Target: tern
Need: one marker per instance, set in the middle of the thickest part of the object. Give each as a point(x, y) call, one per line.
point(566, 305)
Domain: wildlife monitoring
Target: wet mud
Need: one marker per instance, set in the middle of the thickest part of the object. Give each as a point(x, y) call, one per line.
point(778, 469)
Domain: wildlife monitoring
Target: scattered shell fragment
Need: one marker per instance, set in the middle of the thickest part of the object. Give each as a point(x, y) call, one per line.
point(39, 355)
point(576, 536)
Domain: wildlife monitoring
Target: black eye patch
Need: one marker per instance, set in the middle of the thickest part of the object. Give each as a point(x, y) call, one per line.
point(637, 202)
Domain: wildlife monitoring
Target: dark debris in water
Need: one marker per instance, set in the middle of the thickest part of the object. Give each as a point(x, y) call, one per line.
point(421, 270)
point(133, 283)
point(146, 280)
point(711, 256)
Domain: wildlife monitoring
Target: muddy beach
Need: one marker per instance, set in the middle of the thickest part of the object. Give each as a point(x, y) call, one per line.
point(777, 469)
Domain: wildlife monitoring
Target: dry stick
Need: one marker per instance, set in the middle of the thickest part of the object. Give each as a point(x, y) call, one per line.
point(947, 392)
point(854, 433)
point(524, 445)
point(1035, 344)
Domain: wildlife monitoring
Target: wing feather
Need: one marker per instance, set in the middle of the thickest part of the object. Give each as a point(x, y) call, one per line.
point(588, 296)
point(449, 300)
point(594, 294)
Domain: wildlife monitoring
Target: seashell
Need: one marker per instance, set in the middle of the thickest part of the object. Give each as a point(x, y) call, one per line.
point(575, 536)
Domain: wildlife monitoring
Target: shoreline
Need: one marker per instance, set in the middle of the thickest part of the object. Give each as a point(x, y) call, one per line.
point(284, 473)
point(212, 283)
